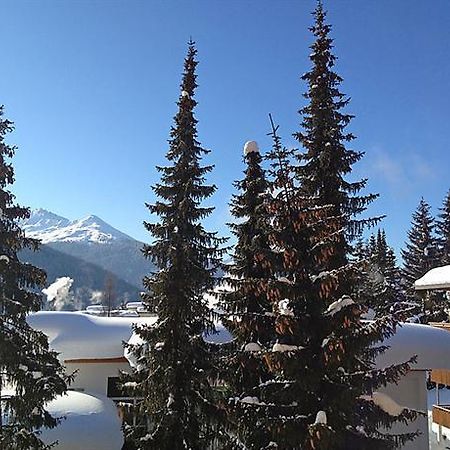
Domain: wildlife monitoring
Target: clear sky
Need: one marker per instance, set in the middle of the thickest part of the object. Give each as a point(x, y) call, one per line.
point(91, 86)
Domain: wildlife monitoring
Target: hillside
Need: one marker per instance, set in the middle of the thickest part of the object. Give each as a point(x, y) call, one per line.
point(87, 250)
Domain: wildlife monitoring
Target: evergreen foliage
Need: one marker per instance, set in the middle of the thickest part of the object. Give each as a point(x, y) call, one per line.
point(419, 256)
point(420, 253)
point(443, 231)
point(247, 312)
point(327, 161)
point(172, 376)
point(323, 359)
point(382, 285)
point(30, 374)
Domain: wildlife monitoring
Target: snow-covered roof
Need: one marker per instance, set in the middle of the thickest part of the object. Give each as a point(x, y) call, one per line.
point(91, 422)
point(81, 336)
point(437, 278)
point(431, 345)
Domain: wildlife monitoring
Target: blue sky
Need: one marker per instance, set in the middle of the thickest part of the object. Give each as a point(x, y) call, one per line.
point(91, 87)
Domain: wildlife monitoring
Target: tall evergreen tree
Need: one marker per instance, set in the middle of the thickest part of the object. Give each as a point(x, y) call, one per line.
point(172, 375)
point(30, 374)
point(324, 357)
point(419, 256)
point(324, 380)
point(443, 231)
point(327, 161)
point(247, 312)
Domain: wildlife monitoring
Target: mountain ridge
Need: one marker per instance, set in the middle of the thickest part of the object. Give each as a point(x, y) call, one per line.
point(49, 227)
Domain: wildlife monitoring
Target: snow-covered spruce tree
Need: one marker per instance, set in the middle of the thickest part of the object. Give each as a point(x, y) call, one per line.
point(443, 231)
point(322, 391)
point(30, 374)
point(326, 325)
point(326, 161)
point(419, 256)
point(246, 310)
point(383, 285)
point(177, 407)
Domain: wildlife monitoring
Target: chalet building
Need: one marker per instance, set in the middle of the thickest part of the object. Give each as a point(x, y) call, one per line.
point(92, 347)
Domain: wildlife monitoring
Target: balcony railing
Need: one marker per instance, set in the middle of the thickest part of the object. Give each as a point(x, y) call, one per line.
point(441, 415)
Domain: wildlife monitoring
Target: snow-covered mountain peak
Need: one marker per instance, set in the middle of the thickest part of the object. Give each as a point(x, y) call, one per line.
point(41, 219)
point(49, 227)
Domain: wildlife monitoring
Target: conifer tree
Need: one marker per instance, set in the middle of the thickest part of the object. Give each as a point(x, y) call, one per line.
point(323, 361)
point(172, 374)
point(324, 379)
point(420, 253)
point(326, 161)
point(383, 285)
point(30, 374)
point(443, 231)
point(419, 256)
point(247, 312)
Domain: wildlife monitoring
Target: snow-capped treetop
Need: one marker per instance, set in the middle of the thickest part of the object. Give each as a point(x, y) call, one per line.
point(321, 418)
point(251, 147)
point(252, 347)
point(49, 227)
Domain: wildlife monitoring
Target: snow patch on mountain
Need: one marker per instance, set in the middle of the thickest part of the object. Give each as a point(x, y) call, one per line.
point(49, 227)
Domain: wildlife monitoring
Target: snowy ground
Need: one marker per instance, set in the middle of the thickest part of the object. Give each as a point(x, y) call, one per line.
point(444, 396)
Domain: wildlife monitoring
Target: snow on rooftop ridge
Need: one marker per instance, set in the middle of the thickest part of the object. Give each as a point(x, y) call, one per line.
point(430, 345)
point(277, 347)
point(251, 147)
point(75, 335)
point(437, 278)
point(49, 227)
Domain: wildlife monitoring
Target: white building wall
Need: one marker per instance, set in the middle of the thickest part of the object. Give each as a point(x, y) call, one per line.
point(92, 377)
point(411, 392)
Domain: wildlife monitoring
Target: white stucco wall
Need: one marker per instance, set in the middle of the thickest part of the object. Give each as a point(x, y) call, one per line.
point(93, 377)
point(411, 392)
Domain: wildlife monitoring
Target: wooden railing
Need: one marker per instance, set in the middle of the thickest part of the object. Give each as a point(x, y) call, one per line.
point(441, 415)
point(440, 376)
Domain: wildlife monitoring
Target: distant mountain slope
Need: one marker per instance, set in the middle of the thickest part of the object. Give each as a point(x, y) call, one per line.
point(86, 250)
point(87, 277)
point(122, 258)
